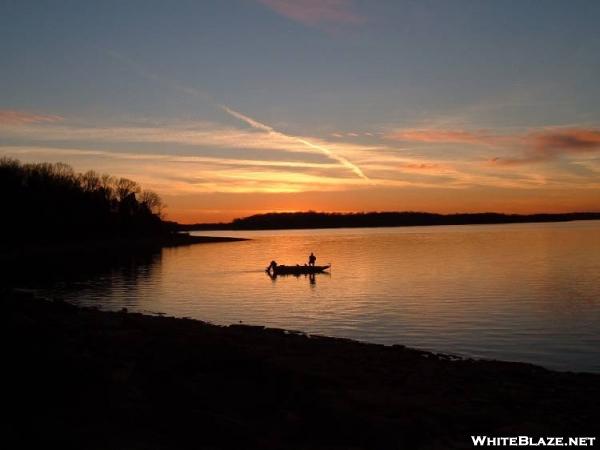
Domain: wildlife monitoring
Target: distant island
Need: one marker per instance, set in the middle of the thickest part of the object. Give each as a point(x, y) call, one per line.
point(312, 219)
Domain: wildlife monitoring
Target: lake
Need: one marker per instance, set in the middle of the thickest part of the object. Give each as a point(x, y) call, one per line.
point(522, 292)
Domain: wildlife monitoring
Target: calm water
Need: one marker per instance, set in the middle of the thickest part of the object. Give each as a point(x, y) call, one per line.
point(528, 292)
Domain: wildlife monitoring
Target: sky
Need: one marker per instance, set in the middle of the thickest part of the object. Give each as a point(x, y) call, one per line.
point(228, 108)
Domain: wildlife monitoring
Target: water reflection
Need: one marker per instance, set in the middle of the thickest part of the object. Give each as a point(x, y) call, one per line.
point(97, 277)
point(312, 277)
point(520, 292)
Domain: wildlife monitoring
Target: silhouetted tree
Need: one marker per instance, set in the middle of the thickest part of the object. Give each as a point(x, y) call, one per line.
point(151, 201)
point(49, 202)
point(313, 219)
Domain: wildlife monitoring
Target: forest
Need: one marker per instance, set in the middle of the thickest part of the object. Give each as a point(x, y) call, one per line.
point(312, 219)
point(46, 202)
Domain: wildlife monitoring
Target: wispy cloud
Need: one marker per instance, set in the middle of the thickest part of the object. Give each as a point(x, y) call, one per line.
point(573, 140)
point(316, 12)
point(176, 174)
point(329, 9)
point(197, 134)
point(12, 117)
point(354, 134)
point(443, 136)
point(203, 157)
point(522, 148)
point(552, 144)
point(321, 148)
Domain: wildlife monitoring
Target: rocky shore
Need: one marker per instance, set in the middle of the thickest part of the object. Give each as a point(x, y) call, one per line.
point(83, 378)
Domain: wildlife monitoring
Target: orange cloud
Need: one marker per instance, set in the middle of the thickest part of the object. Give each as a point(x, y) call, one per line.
point(552, 144)
point(11, 117)
point(538, 146)
point(423, 166)
point(435, 136)
point(572, 140)
point(315, 12)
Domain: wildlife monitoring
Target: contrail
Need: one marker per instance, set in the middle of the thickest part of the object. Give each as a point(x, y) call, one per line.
point(249, 120)
point(145, 73)
point(261, 126)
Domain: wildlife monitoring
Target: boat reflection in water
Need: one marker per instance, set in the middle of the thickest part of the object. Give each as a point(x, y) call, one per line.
point(295, 270)
point(311, 275)
point(274, 270)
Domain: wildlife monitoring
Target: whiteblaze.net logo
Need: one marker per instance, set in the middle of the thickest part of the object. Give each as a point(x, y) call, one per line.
point(527, 441)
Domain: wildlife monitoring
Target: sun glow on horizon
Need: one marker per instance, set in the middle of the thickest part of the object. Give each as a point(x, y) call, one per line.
point(524, 172)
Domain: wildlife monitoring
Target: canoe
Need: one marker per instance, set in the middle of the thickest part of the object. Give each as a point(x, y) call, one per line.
point(297, 270)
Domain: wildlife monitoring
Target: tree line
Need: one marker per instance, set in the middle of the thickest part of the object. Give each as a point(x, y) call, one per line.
point(51, 202)
point(312, 219)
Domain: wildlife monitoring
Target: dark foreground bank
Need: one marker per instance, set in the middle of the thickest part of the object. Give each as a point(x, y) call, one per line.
point(86, 379)
point(112, 245)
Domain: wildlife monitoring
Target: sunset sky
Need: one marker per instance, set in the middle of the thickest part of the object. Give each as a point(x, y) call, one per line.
point(232, 107)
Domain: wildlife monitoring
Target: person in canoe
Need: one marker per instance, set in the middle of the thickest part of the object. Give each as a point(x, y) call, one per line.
point(312, 259)
point(272, 266)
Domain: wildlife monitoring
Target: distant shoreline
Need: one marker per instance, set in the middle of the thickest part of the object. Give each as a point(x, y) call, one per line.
point(175, 382)
point(315, 220)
